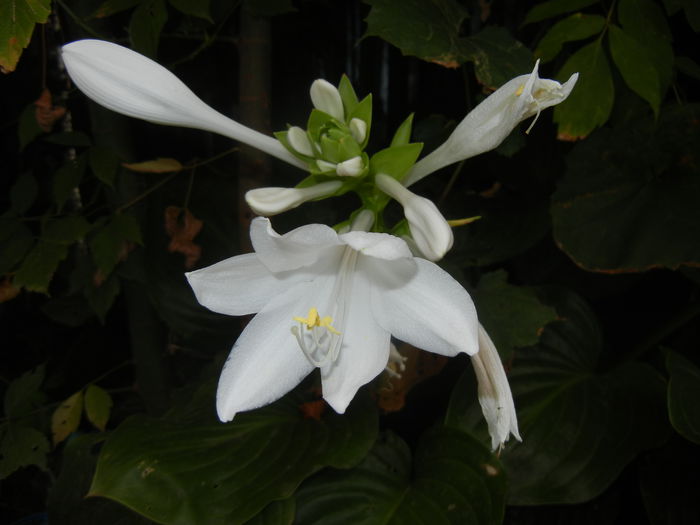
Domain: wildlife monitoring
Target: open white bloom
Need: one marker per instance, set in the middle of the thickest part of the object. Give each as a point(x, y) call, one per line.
point(271, 201)
point(330, 301)
point(429, 229)
point(494, 393)
point(129, 83)
point(489, 123)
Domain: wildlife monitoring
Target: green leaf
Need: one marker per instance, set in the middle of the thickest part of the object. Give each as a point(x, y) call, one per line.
point(112, 7)
point(23, 393)
point(395, 161)
point(38, 267)
point(98, 405)
point(580, 426)
point(101, 296)
point(268, 7)
point(688, 66)
point(14, 247)
point(66, 417)
point(107, 244)
point(590, 103)
point(66, 179)
point(637, 70)
point(198, 8)
point(104, 164)
point(575, 27)
point(29, 128)
point(553, 8)
point(427, 29)
point(17, 20)
point(403, 133)
point(177, 471)
point(513, 315)
point(347, 95)
point(279, 512)
point(497, 56)
point(145, 26)
point(21, 446)
point(66, 230)
point(683, 392)
point(451, 480)
point(23, 193)
point(692, 13)
point(628, 200)
point(69, 138)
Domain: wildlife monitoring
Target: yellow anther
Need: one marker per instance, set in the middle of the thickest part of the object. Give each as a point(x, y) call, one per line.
point(315, 320)
point(519, 91)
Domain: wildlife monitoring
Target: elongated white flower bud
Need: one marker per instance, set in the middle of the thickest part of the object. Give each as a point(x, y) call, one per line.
point(271, 201)
point(494, 392)
point(350, 168)
point(299, 141)
point(131, 84)
point(325, 97)
point(358, 128)
point(489, 123)
point(430, 230)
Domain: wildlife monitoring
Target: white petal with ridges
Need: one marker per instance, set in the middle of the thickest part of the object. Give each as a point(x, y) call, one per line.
point(271, 201)
point(325, 97)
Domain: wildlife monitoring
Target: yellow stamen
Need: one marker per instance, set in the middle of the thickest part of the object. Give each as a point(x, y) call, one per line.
point(315, 320)
point(519, 91)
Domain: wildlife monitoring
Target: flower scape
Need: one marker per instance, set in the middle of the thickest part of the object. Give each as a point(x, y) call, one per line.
point(332, 297)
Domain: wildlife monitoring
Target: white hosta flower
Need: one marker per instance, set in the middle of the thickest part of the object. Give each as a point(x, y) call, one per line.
point(358, 128)
point(489, 123)
point(494, 393)
point(129, 83)
point(300, 141)
point(325, 97)
point(429, 229)
point(271, 201)
point(330, 301)
point(350, 168)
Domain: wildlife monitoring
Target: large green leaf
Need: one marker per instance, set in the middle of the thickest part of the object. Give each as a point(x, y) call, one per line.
point(17, 20)
point(629, 199)
point(21, 446)
point(107, 245)
point(580, 426)
point(146, 24)
point(552, 8)
point(38, 267)
point(497, 56)
point(178, 471)
point(590, 103)
point(575, 27)
point(451, 480)
point(683, 395)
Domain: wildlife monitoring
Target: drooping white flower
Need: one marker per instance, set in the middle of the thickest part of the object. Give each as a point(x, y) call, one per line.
point(129, 83)
point(489, 123)
point(429, 229)
point(330, 301)
point(494, 392)
point(271, 201)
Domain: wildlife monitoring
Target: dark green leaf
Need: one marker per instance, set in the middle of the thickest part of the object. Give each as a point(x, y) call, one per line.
point(688, 66)
point(14, 247)
point(98, 405)
point(512, 315)
point(683, 393)
point(22, 394)
point(580, 427)
point(69, 138)
point(575, 27)
point(590, 103)
point(177, 472)
point(112, 7)
point(453, 480)
point(497, 56)
point(21, 446)
point(637, 70)
point(628, 200)
point(146, 24)
point(36, 271)
point(692, 13)
point(279, 512)
point(66, 179)
point(23, 193)
point(403, 133)
point(429, 30)
point(104, 164)
point(268, 7)
point(395, 161)
point(108, 242)
point(29, 128)
point(101, 297)
point(17, 20)
point(66, 230)
point(198, 8)
point(347, 94)
point(70, 311)
point(553, 8)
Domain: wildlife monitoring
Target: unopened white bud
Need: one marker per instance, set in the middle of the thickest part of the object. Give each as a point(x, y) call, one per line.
point(271, 201)
point(325, 165)
point(299, 141)
point(325, 97)
point(350, 168)
point(358, 128)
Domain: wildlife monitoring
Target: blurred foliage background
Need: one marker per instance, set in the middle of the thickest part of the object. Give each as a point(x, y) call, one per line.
point(584, 268)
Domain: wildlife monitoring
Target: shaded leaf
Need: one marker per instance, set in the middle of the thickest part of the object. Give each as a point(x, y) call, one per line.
point(69, 138)
point(108, 246)
point(575, 27)
point(395, 161)
point(23, 393)
point(112, 7)
point(180, 472)
point(688, 66)
point(451, 480)
point(21, 446)
point(553, 8)
point(497, 56)
point(683, 393)
point(279, 512)
point(15, 246)
point(23, 193)
point(104, 164)
point(66, 417)
point(66, 230)
point(268, 7)
point(692, 13)
point(198, 8)
point(102, 293)
point(628, 200)
point(589, 105)
point(145, 26)
point(155, 166)
point(17, 20)
point(580, 426)
point(28, 128)
point(38, 267)
point(66, 179)
point(98, 405)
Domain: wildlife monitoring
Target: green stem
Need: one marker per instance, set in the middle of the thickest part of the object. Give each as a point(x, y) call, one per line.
point(671, 326)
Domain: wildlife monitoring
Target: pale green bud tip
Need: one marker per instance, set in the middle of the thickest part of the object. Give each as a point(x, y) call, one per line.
point(271, 201)
point(299, 141)
point(358, 128)
point(325, 165)
point(325, 97)
point(350, 168)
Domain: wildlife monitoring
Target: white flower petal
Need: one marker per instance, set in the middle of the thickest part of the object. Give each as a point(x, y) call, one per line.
point(266, 361)
point(299, 141)
point(364, 352)
point(379, 245)
point(271, 201)
point(430, 311)
point(129, 83)
point(358, 128)
point(350, 168)
point(325, 97)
